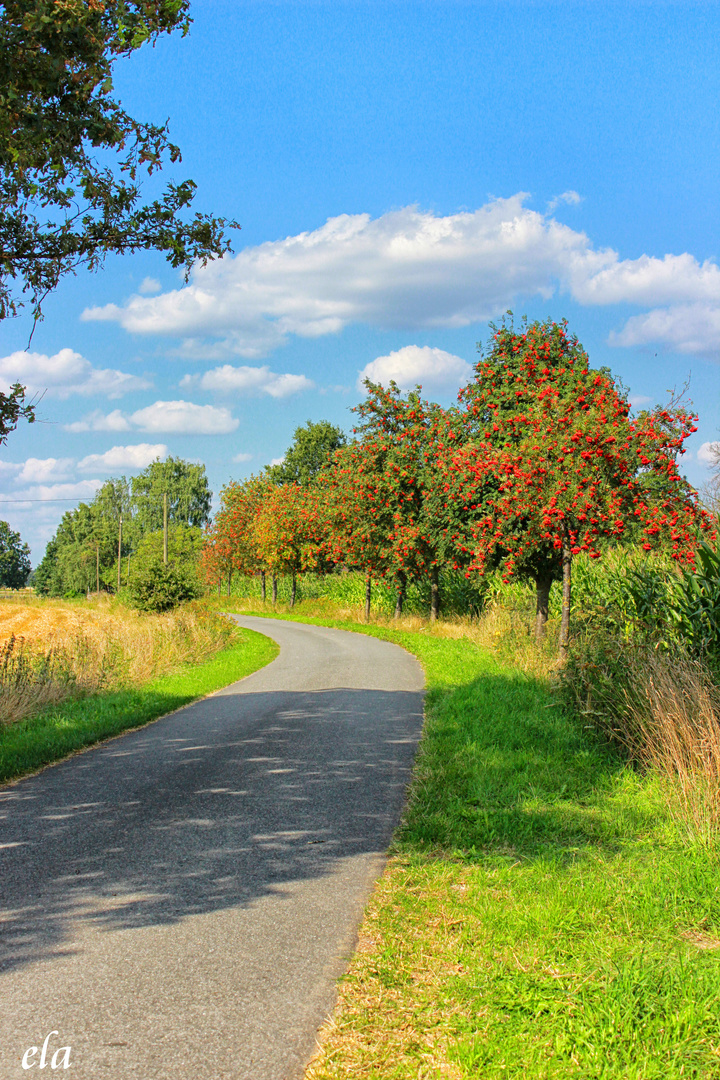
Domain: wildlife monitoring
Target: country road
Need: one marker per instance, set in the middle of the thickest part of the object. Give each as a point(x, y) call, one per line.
point(179, 902)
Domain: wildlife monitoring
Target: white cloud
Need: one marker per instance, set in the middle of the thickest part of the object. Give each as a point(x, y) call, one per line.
point(689, 328)
point(277, 460)
point(184, 418)
point(413, 364)
point(99, 421)
point(404, 269)
point(83, 489)
point(414, 270)
point(709, 453)
point(149, 285)
point(65, 373)
point(45, 470)
point(570, 198)
point(229, 379)
point(240, 458)
point(124, 457)
point(167, 417)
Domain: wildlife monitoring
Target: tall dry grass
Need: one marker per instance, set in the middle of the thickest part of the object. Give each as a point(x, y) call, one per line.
point(53, 650)
point(663, 708)
point(674, 710)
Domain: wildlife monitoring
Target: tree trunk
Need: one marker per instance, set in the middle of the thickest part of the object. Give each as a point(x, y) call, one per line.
point(293, 593)
point(220, 586)
point(542, 609)
point(274, 584)
point(368, 597)
point(400, 597)
point(263, 586)
point(565, 620)
point(229, 584)
point(434, 594)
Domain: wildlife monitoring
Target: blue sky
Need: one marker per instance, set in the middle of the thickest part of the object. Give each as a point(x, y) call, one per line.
point(403, 173)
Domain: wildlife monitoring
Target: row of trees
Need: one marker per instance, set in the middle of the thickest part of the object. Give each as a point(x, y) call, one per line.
point(118, 538)
point(539, 460)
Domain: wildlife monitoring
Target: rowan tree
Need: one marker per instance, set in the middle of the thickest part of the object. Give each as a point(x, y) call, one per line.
point(286, 536)
point(557, 465)
point(383, 523)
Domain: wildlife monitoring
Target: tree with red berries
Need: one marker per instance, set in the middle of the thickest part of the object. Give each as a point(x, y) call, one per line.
point(553, 465)
point(285, 531)
point(381, 483)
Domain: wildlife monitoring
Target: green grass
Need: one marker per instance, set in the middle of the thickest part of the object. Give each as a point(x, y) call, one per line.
point(540, 916)
point(54, 733)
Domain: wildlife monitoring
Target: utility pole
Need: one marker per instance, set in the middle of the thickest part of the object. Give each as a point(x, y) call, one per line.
point(165, 529)
point(97, 568)
point(119, 551)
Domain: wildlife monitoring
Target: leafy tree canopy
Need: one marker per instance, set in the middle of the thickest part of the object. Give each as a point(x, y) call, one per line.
point(187, 489)
point(14, 558)
point(70, 155)
point(312, 447)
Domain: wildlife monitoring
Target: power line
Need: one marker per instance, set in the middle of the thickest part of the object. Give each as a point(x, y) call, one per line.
point(78, 499)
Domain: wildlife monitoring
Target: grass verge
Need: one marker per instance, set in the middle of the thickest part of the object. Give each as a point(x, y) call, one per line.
point(541, 914)
point(56, 732)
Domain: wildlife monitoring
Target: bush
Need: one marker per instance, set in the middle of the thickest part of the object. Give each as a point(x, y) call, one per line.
point(156, 586)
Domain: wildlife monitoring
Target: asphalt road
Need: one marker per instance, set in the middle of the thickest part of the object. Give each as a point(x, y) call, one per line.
point(179, 902)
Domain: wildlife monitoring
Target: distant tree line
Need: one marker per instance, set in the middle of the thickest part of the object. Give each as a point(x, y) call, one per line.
point(118, 537)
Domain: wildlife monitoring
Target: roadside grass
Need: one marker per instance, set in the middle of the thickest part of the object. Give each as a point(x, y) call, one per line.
point(55, 732)
point(55, 650)
point(541, 914)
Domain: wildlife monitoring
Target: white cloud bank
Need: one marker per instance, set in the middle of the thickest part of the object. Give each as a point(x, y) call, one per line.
point(166, 417)
point(64, 374)
point(414, 270)
point(261, 380)
point(434, 369)
point(138, 456)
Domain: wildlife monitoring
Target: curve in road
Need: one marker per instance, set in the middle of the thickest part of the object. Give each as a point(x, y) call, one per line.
point(180, 901)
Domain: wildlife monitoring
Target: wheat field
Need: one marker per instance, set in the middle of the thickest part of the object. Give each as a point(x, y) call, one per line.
point(53, 649)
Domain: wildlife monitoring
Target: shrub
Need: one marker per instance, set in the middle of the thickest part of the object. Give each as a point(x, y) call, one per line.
point(156, 586)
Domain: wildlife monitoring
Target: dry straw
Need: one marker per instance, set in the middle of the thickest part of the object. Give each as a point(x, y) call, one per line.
point(53, 650)
point(674, 707)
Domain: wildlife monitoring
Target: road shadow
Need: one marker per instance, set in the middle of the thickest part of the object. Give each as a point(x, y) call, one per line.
point(230, 800)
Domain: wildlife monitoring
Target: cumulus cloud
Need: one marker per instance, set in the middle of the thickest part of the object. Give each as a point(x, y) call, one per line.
point(688, 328)
point(240, 458)
point(709, 453)
point(166, 417)
point(409, 269)
point(138, 456)
point(228, 380)
point(100, 421)
point(413, 364)
point(45, 470)
point(65, 373)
